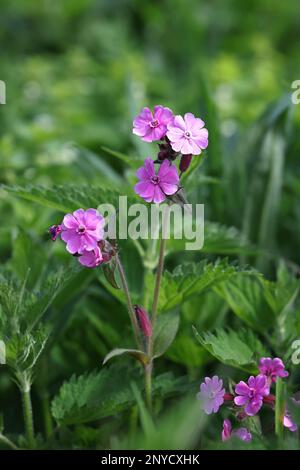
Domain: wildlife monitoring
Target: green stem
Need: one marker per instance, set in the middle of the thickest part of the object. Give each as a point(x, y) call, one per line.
point(131, 311)
point(8, 442)
point(28, 416)
point(160, 268)
point(44, 397)
point(159, 273)
point(148, 385)
point(279, 408)
point(48, 425)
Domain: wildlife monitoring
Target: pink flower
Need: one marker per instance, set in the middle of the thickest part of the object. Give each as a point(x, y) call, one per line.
point(91, 259)
point(289, 423)
point(272, 368)
point(151, 127)
point(211, 394)
point(251, 395)
point(287, 419)
point(82, 230)
point(227, 430)
point(242, 433)
point(155, 187)
point(187, 135)
point(143, 321)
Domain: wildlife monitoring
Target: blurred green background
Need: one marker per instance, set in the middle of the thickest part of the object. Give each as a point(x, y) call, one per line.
point(76, 73)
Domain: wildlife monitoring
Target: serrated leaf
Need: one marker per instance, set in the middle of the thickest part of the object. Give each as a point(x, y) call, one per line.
point(241, 350)
point(218, 239)
point(245, 296)
point(190, 279)
point(164, 333)
point(107, 392)
point(139, 355)
point(66, 198)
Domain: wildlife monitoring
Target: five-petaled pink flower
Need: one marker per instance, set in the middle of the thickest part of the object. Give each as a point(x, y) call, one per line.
point(272, 368)
point(82, 230)
point(187, 135)
point(242, 433)
point(211, 394)
point(152, 126)
point(251, 395)
point(155, 187)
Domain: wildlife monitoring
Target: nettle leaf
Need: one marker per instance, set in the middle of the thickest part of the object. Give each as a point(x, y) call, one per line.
point(105, 393)
point(185, 351)
point(218, 239)
point(66, 198)
point(21, 307)
point(245, 296)
point(137, 354)
point(281, 294)
point(190, 279)
point(241, 350)
point(164, 333)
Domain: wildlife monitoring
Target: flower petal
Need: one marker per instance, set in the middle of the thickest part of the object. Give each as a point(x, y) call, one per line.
point(159, 196)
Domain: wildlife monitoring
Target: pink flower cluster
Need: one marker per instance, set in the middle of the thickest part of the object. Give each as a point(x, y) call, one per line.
point(83, 233)
point(248, 397)
point(186, 134)
point(176, 136)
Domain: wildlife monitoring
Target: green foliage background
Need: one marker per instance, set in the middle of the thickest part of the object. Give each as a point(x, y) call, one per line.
point(77, 72)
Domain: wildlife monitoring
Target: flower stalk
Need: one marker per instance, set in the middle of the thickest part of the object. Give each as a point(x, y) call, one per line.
point(279, 408)
point(28, 417)
point(159, 273)
point(131, 311)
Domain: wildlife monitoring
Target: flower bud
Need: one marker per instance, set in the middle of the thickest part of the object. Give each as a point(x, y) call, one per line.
point(185, 162)
point(54, 231)
point(162, 154)
point(143, 321)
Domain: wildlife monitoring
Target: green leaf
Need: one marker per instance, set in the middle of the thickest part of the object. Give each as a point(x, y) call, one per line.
point(107, 392)
point(66, 198)
point(241, 350)
point(190, 279)
point(133, 162)
point(145, 417)
point(195, 164)
point(23, 262)
point(267, 147)
point(164, 333)
point(218, 239)
point(139, 355)
point(245, 296)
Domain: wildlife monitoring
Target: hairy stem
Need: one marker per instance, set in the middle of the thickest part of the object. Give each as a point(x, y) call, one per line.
point(279, 408)
point(8, 442)
point(148, 385)
point(28, 416)
point(159, 273)
point(131, 311)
